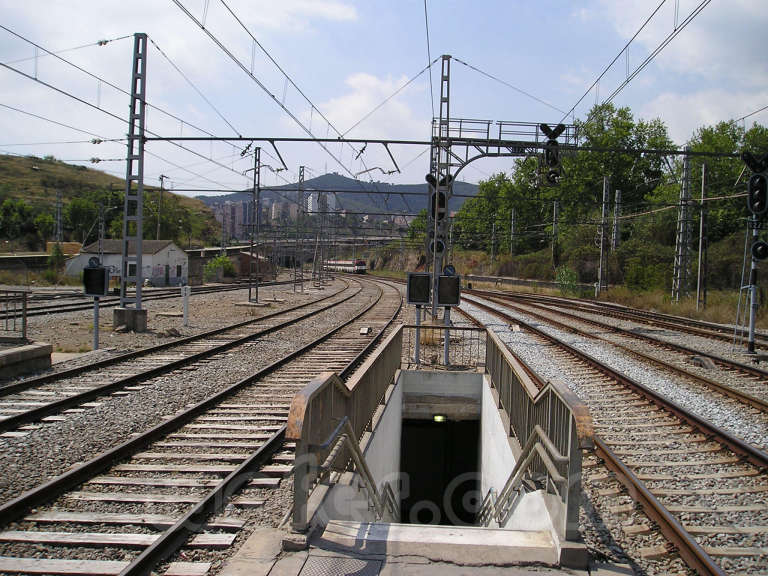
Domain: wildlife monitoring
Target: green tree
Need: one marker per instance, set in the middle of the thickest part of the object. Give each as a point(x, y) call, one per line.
point(44, 224)
point(81, 215)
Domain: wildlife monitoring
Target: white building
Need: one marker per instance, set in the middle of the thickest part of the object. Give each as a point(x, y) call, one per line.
point(162, 262)
point(321, 202)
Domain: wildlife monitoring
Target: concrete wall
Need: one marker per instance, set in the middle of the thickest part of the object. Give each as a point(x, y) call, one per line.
point(496, 464)
point(347, 500)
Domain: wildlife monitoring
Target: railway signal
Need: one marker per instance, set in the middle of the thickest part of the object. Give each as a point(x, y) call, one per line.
point(552, 151)
point(757, 203)
point(760, 250)
point(757, 194)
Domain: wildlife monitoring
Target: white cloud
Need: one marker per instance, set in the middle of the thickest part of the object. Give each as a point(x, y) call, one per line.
point(684, 113)
point(723, 40)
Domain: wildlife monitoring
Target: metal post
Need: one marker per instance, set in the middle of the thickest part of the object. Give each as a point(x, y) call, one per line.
point(418, 336)
point(95, 322)
point(101, 233)
point(512, 233)
point(493, 244)
point(616, 214)
point(59, 220)
point(254, 222)
point(185, 291)
point(298, 260)
point(441, 168)
point(133, 212)
point(160, 203)
point(700, 276)
point(599, 285)
point(555, 216)
point(683, 238)
point(753, 292)
point(447, 337)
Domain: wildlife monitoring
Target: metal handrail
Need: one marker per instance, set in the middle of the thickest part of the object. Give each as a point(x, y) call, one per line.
point(496, 507)
point(344, 435)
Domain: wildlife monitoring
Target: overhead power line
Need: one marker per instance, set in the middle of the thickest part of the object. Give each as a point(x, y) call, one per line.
point(612, 62)
point(388, 98)
point(751, 114)
point(429, 62)
point(80, 47)
point(508, 85)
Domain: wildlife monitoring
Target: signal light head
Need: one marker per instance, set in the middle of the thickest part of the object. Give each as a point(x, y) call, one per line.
point(757, 194)
point(760, 250)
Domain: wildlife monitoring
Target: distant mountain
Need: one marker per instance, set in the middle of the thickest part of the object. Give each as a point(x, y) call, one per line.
point(355, 195)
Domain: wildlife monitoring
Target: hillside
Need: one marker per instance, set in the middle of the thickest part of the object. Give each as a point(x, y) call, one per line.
point(383, 197)
point(28, 189)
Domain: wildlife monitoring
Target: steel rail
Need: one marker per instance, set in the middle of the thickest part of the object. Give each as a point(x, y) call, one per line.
point(164, 295)
point(687, 546)
point(37, 380)
point(53, 488)
point(753, 455)
point(691, 326)
point(734, 393)
point(175, 536)
point(755, 371)
point(35, 414)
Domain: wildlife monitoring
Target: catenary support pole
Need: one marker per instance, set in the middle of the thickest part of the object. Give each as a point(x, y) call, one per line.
point(753, 291)
point(599, 283)
point(701, 300)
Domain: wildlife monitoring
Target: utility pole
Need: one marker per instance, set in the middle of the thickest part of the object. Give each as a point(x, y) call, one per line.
point(683, 239)
point(298, 263)
point(512, 233)
point(555, 247)
point(599, 283)
point(616, 214)
point(493, 244)
point(101, 234)
point(133, 208)
point(59, 222)
point(162, 178)
point(701, 281)
point(254, 222)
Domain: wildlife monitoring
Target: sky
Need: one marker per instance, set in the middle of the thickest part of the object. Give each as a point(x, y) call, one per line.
point(512, 60)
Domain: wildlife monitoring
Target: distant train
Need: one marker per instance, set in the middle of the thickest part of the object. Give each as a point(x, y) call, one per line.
point(349, 266)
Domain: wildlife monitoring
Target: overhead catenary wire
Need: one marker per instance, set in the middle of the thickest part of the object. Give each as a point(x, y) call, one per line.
point(388, 98)
point(663, 44)
point(605, 70)
point(95, 77)
point(508, 85)
point(72, 49)
point(194, 87)
point(429, 62)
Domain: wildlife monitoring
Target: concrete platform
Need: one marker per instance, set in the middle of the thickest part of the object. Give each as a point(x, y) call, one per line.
point(24, 359)
point(467, 546)
point(261, 555)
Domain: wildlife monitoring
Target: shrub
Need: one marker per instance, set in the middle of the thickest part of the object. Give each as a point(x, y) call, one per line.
point(218, 267)
point(567, 281)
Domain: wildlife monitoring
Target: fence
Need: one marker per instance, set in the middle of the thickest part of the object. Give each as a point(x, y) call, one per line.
point(13, 315)
point(554, 414)
point(466, 346)
point(326, 401)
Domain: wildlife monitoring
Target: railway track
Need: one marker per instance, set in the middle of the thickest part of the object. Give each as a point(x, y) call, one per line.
point(191, 483)
point(109, 301)
point(712, 330)
point(746, 383)
point(43, 399)
point(705, 489)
